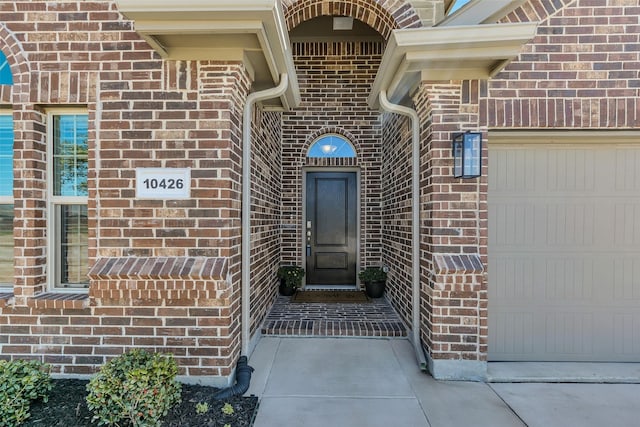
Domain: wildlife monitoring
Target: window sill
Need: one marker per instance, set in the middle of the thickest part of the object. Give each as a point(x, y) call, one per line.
point(75, 301)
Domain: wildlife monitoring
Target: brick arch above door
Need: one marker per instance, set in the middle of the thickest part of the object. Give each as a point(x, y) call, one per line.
point(384, 16)
point(12, 50)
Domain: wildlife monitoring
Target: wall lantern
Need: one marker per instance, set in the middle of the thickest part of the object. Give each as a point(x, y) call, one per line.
point(467, 154)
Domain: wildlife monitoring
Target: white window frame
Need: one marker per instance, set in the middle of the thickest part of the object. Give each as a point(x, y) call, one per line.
point(6, 200)
point(53, 230)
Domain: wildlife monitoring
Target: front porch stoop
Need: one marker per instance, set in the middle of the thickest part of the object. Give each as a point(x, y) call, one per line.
point(373, 319)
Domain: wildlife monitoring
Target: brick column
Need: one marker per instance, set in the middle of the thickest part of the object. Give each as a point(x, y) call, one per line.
point(453, 237)
point(30, 191)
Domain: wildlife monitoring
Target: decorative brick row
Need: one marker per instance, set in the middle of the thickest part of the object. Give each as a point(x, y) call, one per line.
point(148, 268)
point(454, 263)
point(57, 300)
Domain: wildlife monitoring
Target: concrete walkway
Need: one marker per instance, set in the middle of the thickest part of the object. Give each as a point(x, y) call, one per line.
point(356, 382)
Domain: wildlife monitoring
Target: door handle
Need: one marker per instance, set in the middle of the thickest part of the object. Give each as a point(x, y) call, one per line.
point(308, 250)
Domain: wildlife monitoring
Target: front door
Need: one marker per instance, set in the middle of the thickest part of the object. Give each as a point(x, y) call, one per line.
point(331, 228)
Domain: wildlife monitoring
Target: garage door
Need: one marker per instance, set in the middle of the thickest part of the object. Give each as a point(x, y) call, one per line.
point(564, 252)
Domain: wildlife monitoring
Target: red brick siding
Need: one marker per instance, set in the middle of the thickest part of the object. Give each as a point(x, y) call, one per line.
point(397, 203)
point(143, 112)
point(384, 16)
point(334, 81)
point(266, 182)
point(581, 70)
point(453, 213)
point(29, 193)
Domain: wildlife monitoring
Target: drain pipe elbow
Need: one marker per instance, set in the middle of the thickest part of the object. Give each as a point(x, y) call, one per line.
point(415, 223)
point(246, 202)
point(243, 379)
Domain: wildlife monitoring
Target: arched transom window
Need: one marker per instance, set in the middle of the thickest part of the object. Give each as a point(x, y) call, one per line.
point(331, 146)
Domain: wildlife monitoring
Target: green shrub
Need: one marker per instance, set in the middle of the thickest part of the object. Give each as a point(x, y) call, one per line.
point(21, 381)
point(137, 387)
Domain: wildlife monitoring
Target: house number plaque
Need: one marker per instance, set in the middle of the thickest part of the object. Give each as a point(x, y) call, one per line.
point(163, 183)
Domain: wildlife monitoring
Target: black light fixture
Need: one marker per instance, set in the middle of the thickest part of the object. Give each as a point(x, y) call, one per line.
point(467, 154)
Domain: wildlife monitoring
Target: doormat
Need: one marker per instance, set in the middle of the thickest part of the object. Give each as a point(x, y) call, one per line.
point(330, 296)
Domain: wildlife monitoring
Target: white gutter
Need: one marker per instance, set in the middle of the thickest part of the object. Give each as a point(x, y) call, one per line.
point(246, 201)
point(415, 221)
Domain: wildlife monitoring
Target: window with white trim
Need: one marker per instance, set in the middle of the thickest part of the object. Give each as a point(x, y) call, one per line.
point(67, 199)
point(6, 200)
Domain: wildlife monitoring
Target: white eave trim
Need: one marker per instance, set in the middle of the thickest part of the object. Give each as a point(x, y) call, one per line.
point(446, 53)
point(250, 30)
point(481, 12)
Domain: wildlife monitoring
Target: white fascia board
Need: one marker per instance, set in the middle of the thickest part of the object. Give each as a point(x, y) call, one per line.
point(161, 19)
point(481, 12)
point(446, 53)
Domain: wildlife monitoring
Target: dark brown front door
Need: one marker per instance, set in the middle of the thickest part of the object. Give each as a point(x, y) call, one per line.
point(331, 234)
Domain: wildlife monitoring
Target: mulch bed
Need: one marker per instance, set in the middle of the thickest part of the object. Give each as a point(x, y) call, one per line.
point(67, 408)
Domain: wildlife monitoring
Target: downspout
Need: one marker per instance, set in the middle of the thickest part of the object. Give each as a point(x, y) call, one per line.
point(246, 202)
point(415, 221)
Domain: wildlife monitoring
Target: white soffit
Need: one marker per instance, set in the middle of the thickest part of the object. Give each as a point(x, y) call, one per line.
point(253, 31)
point(481, 12)
point(446, 53)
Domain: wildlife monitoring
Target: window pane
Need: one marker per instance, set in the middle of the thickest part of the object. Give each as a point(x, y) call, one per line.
point(6, 245)
point(5, 71)
point(457, 5)
point(6, 155)
point(331, 146)
point(70, 155)
point(73, 246)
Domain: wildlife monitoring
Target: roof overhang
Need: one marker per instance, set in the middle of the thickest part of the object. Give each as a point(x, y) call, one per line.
point(446, 53)
point(480, 12)
point(251, 31)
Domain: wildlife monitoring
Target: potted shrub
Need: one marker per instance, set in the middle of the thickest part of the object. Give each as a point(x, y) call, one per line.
point(374, 279)
point(290, 279)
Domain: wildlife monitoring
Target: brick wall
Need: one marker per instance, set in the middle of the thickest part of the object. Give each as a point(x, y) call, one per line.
point(582, 70)
point(453, 230)
point(143, 112)
point(334, 78)
point(384, 16)
point(397, 204)
point(266, 181)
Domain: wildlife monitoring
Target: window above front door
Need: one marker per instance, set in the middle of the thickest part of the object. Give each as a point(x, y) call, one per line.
point(331, 146)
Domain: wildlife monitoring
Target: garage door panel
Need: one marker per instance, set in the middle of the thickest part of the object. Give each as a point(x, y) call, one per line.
point(519, 273)
point(569, 170)
point(569, 333)
point(564, 253)
point(627, 224)
point(626, 329)
point(568, 279)
point(627, 171)
point(626, 280)
point(514, 332)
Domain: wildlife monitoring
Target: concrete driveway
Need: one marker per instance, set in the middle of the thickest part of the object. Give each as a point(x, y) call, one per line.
point(345, 382)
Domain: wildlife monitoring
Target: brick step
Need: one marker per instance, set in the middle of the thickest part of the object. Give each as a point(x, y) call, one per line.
point(374, 319)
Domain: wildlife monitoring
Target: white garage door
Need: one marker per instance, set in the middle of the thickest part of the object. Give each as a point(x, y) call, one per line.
point(564, 252)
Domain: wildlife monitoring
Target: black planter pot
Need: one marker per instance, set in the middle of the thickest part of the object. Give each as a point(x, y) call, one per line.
point(374, 289)
point(285, 290)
